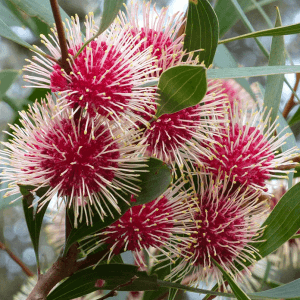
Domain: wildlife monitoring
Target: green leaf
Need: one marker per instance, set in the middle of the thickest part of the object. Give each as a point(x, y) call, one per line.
point(282, 223)
point(178, 286)
point(224, 59)
point(34, 219)
point(40, 9)
point(202, 31)
point(290, 290)
point(227, 14)
point(275, 82)
point(239, 293)
point(6, 32)
point(110, 11)
point(250, 71)
point(7, 77)
point(181, 87)
point(290, 141)
point(295, 118)
point(83, 282)
point(280, 31)
point(8, 18)
point(153, 184)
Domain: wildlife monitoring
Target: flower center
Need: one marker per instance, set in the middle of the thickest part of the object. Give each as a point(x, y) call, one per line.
point(245, 154)
point(220, 232)
point(141, 227)
point(98, 81)
point(76, 162)
point(170, 131)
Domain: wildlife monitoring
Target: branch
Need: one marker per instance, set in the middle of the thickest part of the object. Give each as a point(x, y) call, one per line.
point(61, 36)
point(25, 269)
point(291, 103)
point(113, 292)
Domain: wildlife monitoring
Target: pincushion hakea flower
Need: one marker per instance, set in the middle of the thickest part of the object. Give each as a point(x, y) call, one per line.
point(226, 220)
point(105, 78)
point(158, 31)
point(162, 224)
point(183, 137)
point(247, 151)
point(80, 161)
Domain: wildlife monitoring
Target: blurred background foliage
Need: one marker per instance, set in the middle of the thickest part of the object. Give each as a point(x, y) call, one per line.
point(13, 229)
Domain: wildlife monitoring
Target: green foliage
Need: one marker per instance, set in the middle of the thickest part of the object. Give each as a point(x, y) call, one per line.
point(280, 31)
point(40, 9)
point(202, 31)
point(250, 71)
point(83, 282)
point(181, 87)
point(223, 59)
point(227, 14)
point(238, 292)
point(8, 17)
point(34, 219)
point(275, 82)
point(7, 78)
point(110, 11)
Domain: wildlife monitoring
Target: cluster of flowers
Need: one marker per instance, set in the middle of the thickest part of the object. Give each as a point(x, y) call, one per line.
point(89, 142)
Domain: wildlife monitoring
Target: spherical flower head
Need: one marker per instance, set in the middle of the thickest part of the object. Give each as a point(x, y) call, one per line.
point(105, 78)
point(161, 224)
point(245, 151)
point(225, 221)
point(178, 138)
point(88, 164)
point(158, 31)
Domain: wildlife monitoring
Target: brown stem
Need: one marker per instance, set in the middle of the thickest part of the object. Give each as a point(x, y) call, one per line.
point(25, 269)
point(61, 36)
point(61, 269)
point(113, 292)
point(291, 103)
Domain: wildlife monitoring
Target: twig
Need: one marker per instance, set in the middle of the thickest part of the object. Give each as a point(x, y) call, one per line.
point(291, 103)
point(25, 269)
point(113, 292)
point(61, 36)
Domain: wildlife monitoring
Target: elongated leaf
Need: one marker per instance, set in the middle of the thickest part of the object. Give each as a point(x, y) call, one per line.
point(290, 141)
point(40, 9)
point(181, 87)
point(275, 82)
point(290, 290)
point(251, 71)
point(282, 30)
point(110, 11)
point(202, 31)
point(295, 118)
point(8, 18)
point(224, 59)
point(227, 14)
point(6, 32)
point(282, 223)
point(178, 286)
point(239, 293)
point(153, 184)
point(83, 282)
point(7, 77)
point(33, 218)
